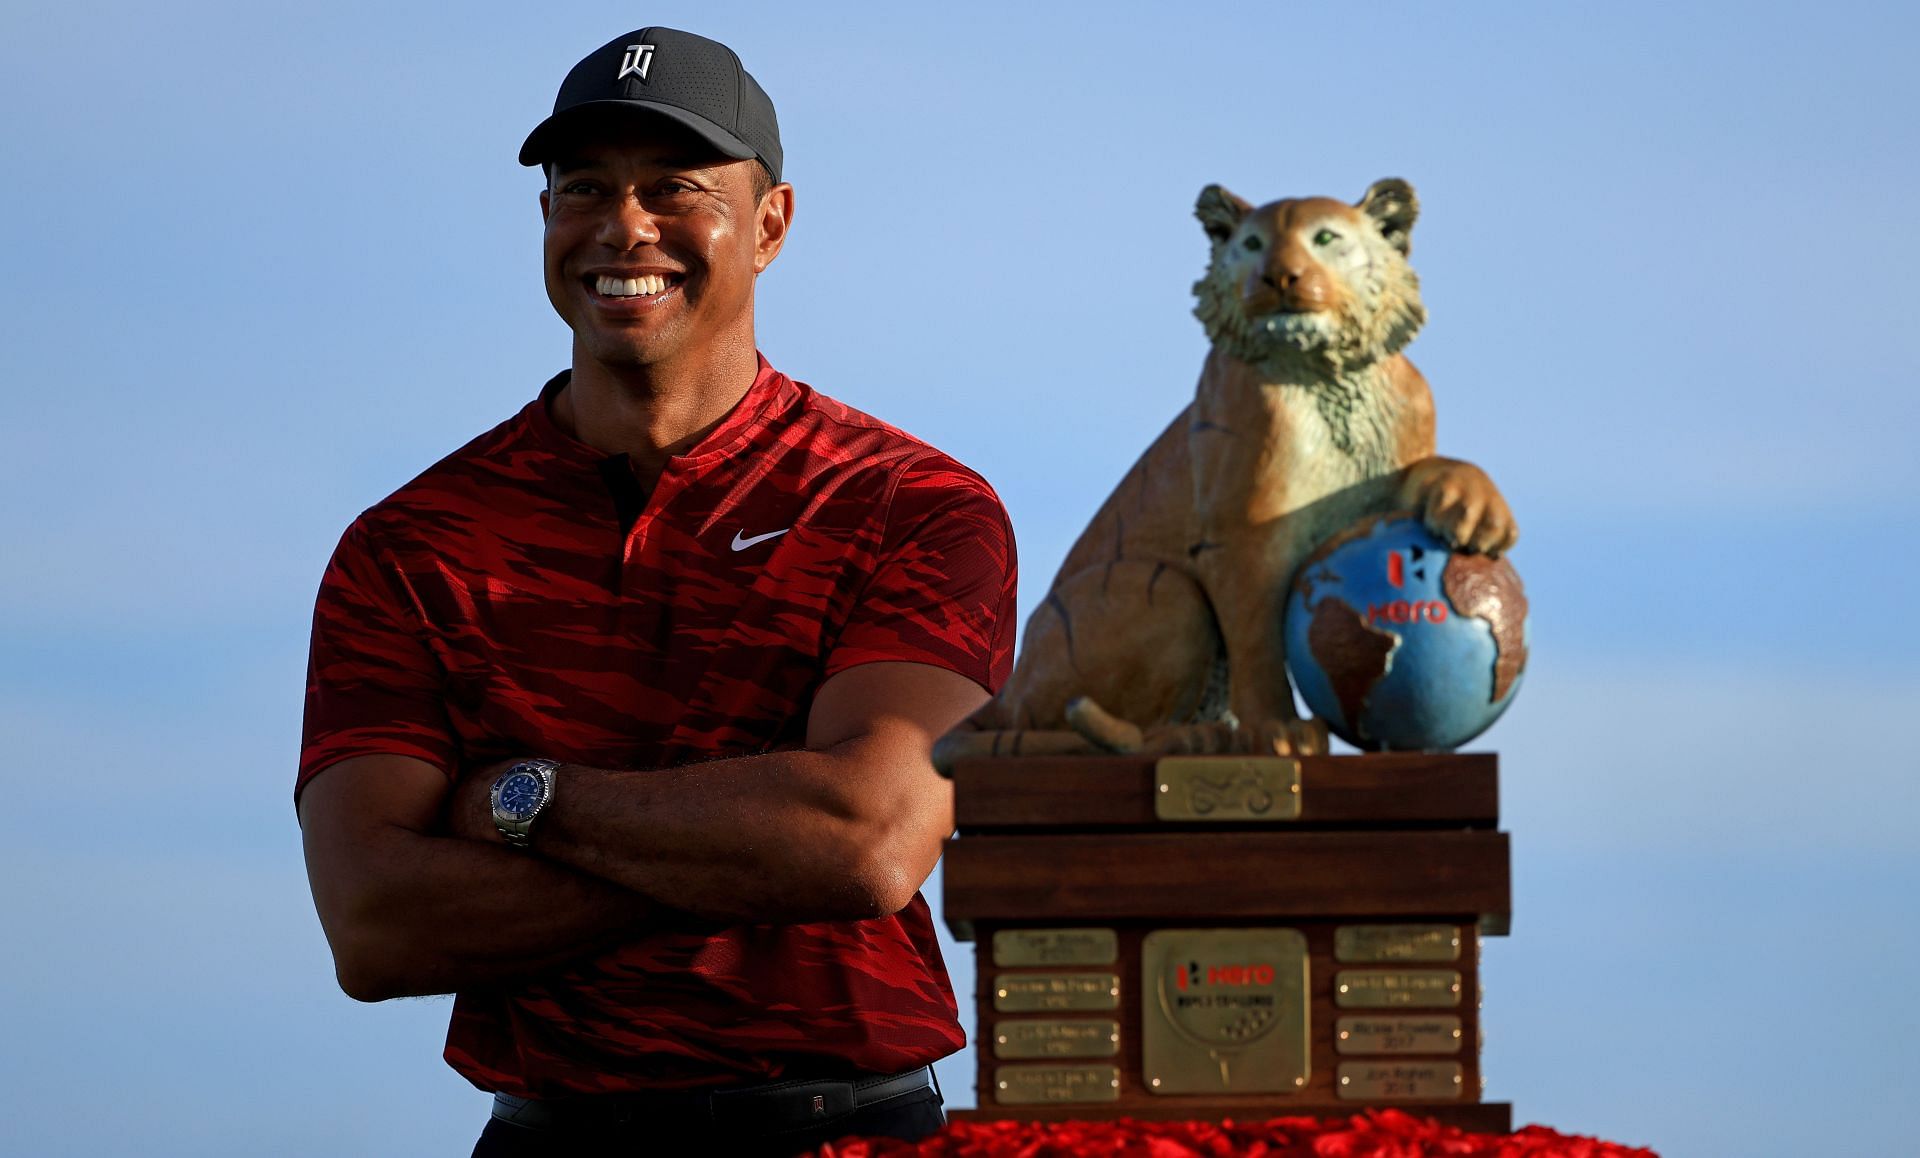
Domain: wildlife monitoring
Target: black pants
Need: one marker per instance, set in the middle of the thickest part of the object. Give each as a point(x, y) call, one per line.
point(909, 1116)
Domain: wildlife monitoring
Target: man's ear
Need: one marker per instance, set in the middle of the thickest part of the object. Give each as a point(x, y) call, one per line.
point(774, 218)
point(1220, 212)
point(544, 201)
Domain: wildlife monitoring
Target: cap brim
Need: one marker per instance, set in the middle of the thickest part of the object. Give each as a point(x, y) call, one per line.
point(540, 143)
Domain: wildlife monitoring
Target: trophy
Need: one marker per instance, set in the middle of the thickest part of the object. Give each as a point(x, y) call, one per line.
point(1183, 906)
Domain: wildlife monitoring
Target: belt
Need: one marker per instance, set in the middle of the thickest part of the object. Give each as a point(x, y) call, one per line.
point(769, 1109)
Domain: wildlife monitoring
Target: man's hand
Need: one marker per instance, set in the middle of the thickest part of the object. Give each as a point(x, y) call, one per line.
point(470, 805)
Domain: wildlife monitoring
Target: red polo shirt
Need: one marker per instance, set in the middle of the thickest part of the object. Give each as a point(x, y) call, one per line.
point(495, 607)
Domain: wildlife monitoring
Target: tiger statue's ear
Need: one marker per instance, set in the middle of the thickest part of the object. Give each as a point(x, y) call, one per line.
point(1392, 205)
point(1220, 212)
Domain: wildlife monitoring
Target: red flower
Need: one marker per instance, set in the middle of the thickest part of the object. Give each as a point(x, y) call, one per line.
point(1373, 1134)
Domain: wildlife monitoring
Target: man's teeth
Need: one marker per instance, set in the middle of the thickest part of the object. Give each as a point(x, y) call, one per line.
point(631, 287)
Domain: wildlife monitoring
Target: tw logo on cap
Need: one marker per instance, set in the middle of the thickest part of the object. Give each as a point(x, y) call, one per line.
point(636, 62)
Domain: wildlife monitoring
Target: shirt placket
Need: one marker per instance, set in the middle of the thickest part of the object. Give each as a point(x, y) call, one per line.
point(640, 553)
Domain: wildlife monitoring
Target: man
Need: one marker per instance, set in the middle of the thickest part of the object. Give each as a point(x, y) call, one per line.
point(618, 718)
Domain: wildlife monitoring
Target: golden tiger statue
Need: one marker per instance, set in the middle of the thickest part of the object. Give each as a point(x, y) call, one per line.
point(1162, 631)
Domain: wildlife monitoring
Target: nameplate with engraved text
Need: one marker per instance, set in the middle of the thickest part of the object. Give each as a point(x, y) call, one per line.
point(1231, 789)
point(1048, 992)
point(1392, 943)
point(1035, 1085)
point(1018, 947)
point(1029, 1039)
point(1437, 1034)
point(1399, 1081)
point(1391, 989)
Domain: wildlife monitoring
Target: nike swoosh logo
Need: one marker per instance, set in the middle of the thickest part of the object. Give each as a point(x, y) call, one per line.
point(741, 542)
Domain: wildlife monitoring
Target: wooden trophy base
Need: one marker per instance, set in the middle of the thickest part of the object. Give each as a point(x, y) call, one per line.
point(1211, 938)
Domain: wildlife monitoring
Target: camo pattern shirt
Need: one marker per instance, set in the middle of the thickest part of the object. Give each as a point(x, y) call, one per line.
point(494, 607)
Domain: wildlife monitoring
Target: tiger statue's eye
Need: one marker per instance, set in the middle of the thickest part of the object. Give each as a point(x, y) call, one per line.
point(1325, 237)
point(1252, 243)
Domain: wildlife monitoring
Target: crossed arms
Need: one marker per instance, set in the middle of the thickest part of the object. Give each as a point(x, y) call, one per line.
point(417, 893)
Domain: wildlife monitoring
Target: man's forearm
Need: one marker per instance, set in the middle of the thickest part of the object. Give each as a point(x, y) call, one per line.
point(789, 836)
point(847, 828)
point(450, 914)
point(756, 839)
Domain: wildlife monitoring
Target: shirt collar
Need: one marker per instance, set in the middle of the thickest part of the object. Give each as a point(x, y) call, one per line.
point(770, 396)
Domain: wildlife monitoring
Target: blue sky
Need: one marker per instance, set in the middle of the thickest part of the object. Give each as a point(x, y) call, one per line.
point(264, 263)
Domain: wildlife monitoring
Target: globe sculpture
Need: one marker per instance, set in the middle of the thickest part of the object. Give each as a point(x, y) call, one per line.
point(1399, 642)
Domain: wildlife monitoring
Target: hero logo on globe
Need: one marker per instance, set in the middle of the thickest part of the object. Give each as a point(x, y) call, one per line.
point(1407, 611)
point(1402, 610)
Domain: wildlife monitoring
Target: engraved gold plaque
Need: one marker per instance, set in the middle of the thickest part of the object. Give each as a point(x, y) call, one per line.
point(1224, 1011)
point(1030, 1085)
point(1393, 943)
point(1399, 1081)
point(1396, 989)
point(1030, 1039)
point(1238, 789)
point(1017, 947)
point(1436, 1034)
point(1053, 992)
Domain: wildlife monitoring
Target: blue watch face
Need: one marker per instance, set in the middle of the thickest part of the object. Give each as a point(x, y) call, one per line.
point(520, 794)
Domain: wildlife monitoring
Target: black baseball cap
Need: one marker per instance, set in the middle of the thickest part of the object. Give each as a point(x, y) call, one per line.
point(690, 80)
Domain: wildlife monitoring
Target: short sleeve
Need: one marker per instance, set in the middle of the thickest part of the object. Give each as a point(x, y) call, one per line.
point(373, 685)
point(942, 588)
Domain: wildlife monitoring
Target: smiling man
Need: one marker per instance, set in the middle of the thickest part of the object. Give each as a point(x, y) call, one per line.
point(618, 717)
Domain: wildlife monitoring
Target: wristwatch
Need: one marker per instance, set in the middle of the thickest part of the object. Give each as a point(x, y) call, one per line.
point(519, 796)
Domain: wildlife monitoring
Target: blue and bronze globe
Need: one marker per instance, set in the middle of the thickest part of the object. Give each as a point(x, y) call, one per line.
point(1399, 642)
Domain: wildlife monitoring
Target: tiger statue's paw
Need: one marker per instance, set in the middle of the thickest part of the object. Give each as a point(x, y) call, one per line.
point(1459, 503)
point(1214, 738)
point(1274, 737)
point(1315, 742)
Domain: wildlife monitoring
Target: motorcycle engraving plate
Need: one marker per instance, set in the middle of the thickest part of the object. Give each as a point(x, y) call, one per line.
point(1232, 789)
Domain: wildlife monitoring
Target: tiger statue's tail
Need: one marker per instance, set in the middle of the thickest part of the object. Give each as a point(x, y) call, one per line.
point(1096, 730)
point(970, 741)
point(1202, 738)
